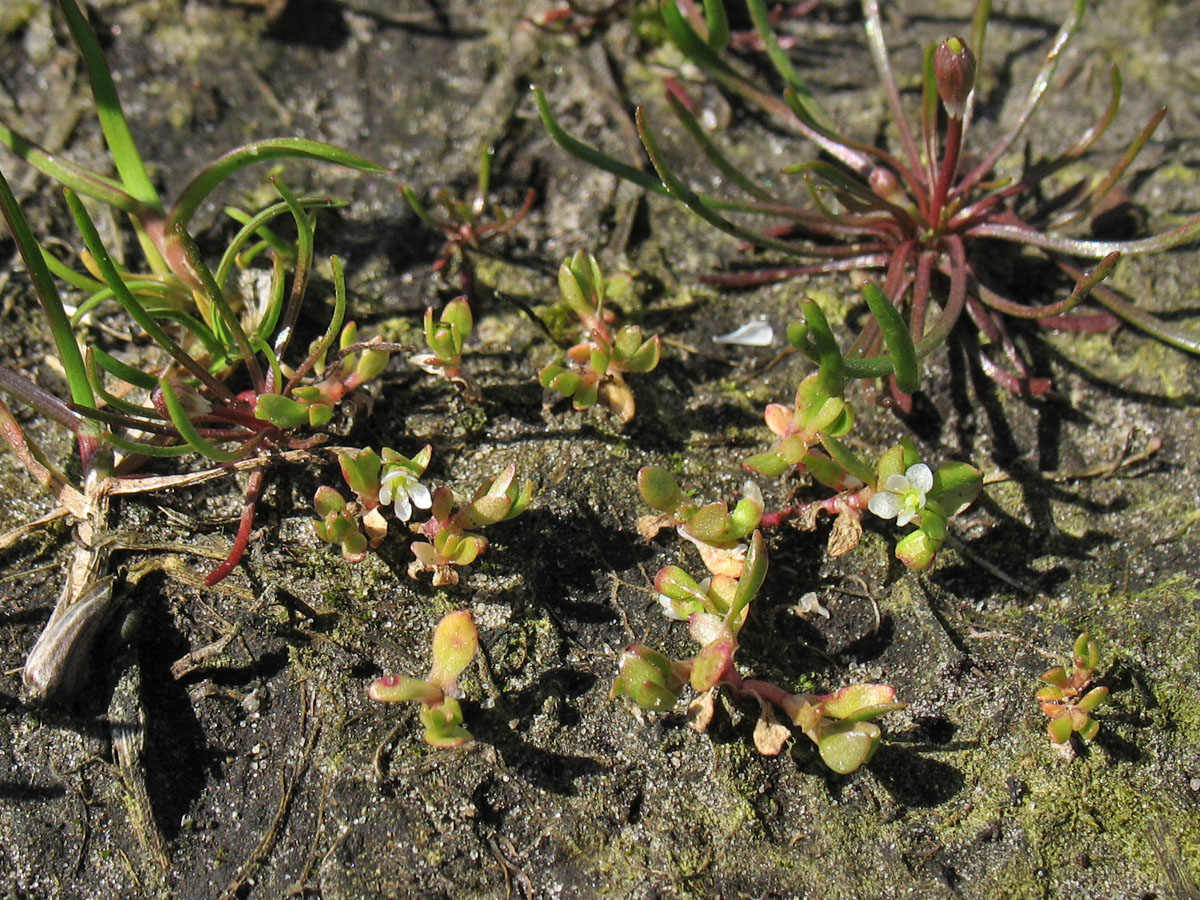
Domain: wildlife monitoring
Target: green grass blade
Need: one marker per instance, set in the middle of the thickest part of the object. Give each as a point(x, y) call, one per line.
point(117, 135)
point(268, 238)
point(163, 295)
point(264, 348)
point(77, 280)
point(590, 155)
point(124, 371)
point(419, 208)
point(117, 403)
point(693, 201)
point(335, 325)
point(714, 155)
point(257, 224)
point(47, 292)
point(125, 445)
point(81, 180)
point(718, 24)
point(259, 151)
point(129, 303)
point(216, 297)
point(812, 109)
point(302, 268)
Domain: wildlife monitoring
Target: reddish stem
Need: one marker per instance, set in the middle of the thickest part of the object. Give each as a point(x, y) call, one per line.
point(954, 135)
point(245, 525)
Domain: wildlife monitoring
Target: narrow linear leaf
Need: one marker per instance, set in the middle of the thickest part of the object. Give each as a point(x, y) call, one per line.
point(113, 124)
point(590, 155)
point(895, 334)
point(259, 151)
point(188, 432)
point(52, 307)
point(123, 296)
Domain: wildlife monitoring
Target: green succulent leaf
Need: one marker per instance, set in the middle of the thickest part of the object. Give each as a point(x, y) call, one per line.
point(905, 364)
point(712, 662)
point(648, 678)
point(1060, 729)
point(398, 688)
point(659, 489)
point(1093, 699)
point(280, 411)
point(917, 550)
point(455, 641)
point(850, 700)
point(753, 575)
point(443, 725)
point(955, 486)
point(844, 746)
point(710, 523)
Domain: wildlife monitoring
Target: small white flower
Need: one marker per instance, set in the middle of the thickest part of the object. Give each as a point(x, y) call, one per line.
point(903, 496)
point(401, 488)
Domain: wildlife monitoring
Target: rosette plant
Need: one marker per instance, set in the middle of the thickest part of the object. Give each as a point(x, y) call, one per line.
point(207, 373)
point(595, 368)
point(1069, 697)
point(928, 215)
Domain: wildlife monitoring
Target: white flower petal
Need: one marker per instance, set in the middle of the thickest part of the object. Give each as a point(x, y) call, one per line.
point(751, 490)
point(920, 477)
point(403, 508)
point(751, 334)
point(668, 608)
point(420, 496)
point(884, 504)
point(905, 517)
point(897, 484)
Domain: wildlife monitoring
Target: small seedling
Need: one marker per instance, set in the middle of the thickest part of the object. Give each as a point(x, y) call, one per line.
point(463, 223)
point(1069, 698)
point(447, 541)
point(445, 338)
point(455, 641)
point(594, 369)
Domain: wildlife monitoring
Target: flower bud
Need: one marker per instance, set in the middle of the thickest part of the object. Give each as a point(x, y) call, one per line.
point(954, 72)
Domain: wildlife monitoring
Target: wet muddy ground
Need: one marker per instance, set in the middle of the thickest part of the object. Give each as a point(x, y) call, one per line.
point(262, 770)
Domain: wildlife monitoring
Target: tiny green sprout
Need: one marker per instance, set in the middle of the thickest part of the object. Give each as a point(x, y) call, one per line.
point(445, 541)
point(594, 369)
point(455, 641)
point(648, 678)
point(840, 723)
point(337, 522)
point(464, 223)
point(1069, 698)
point(445, 338)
